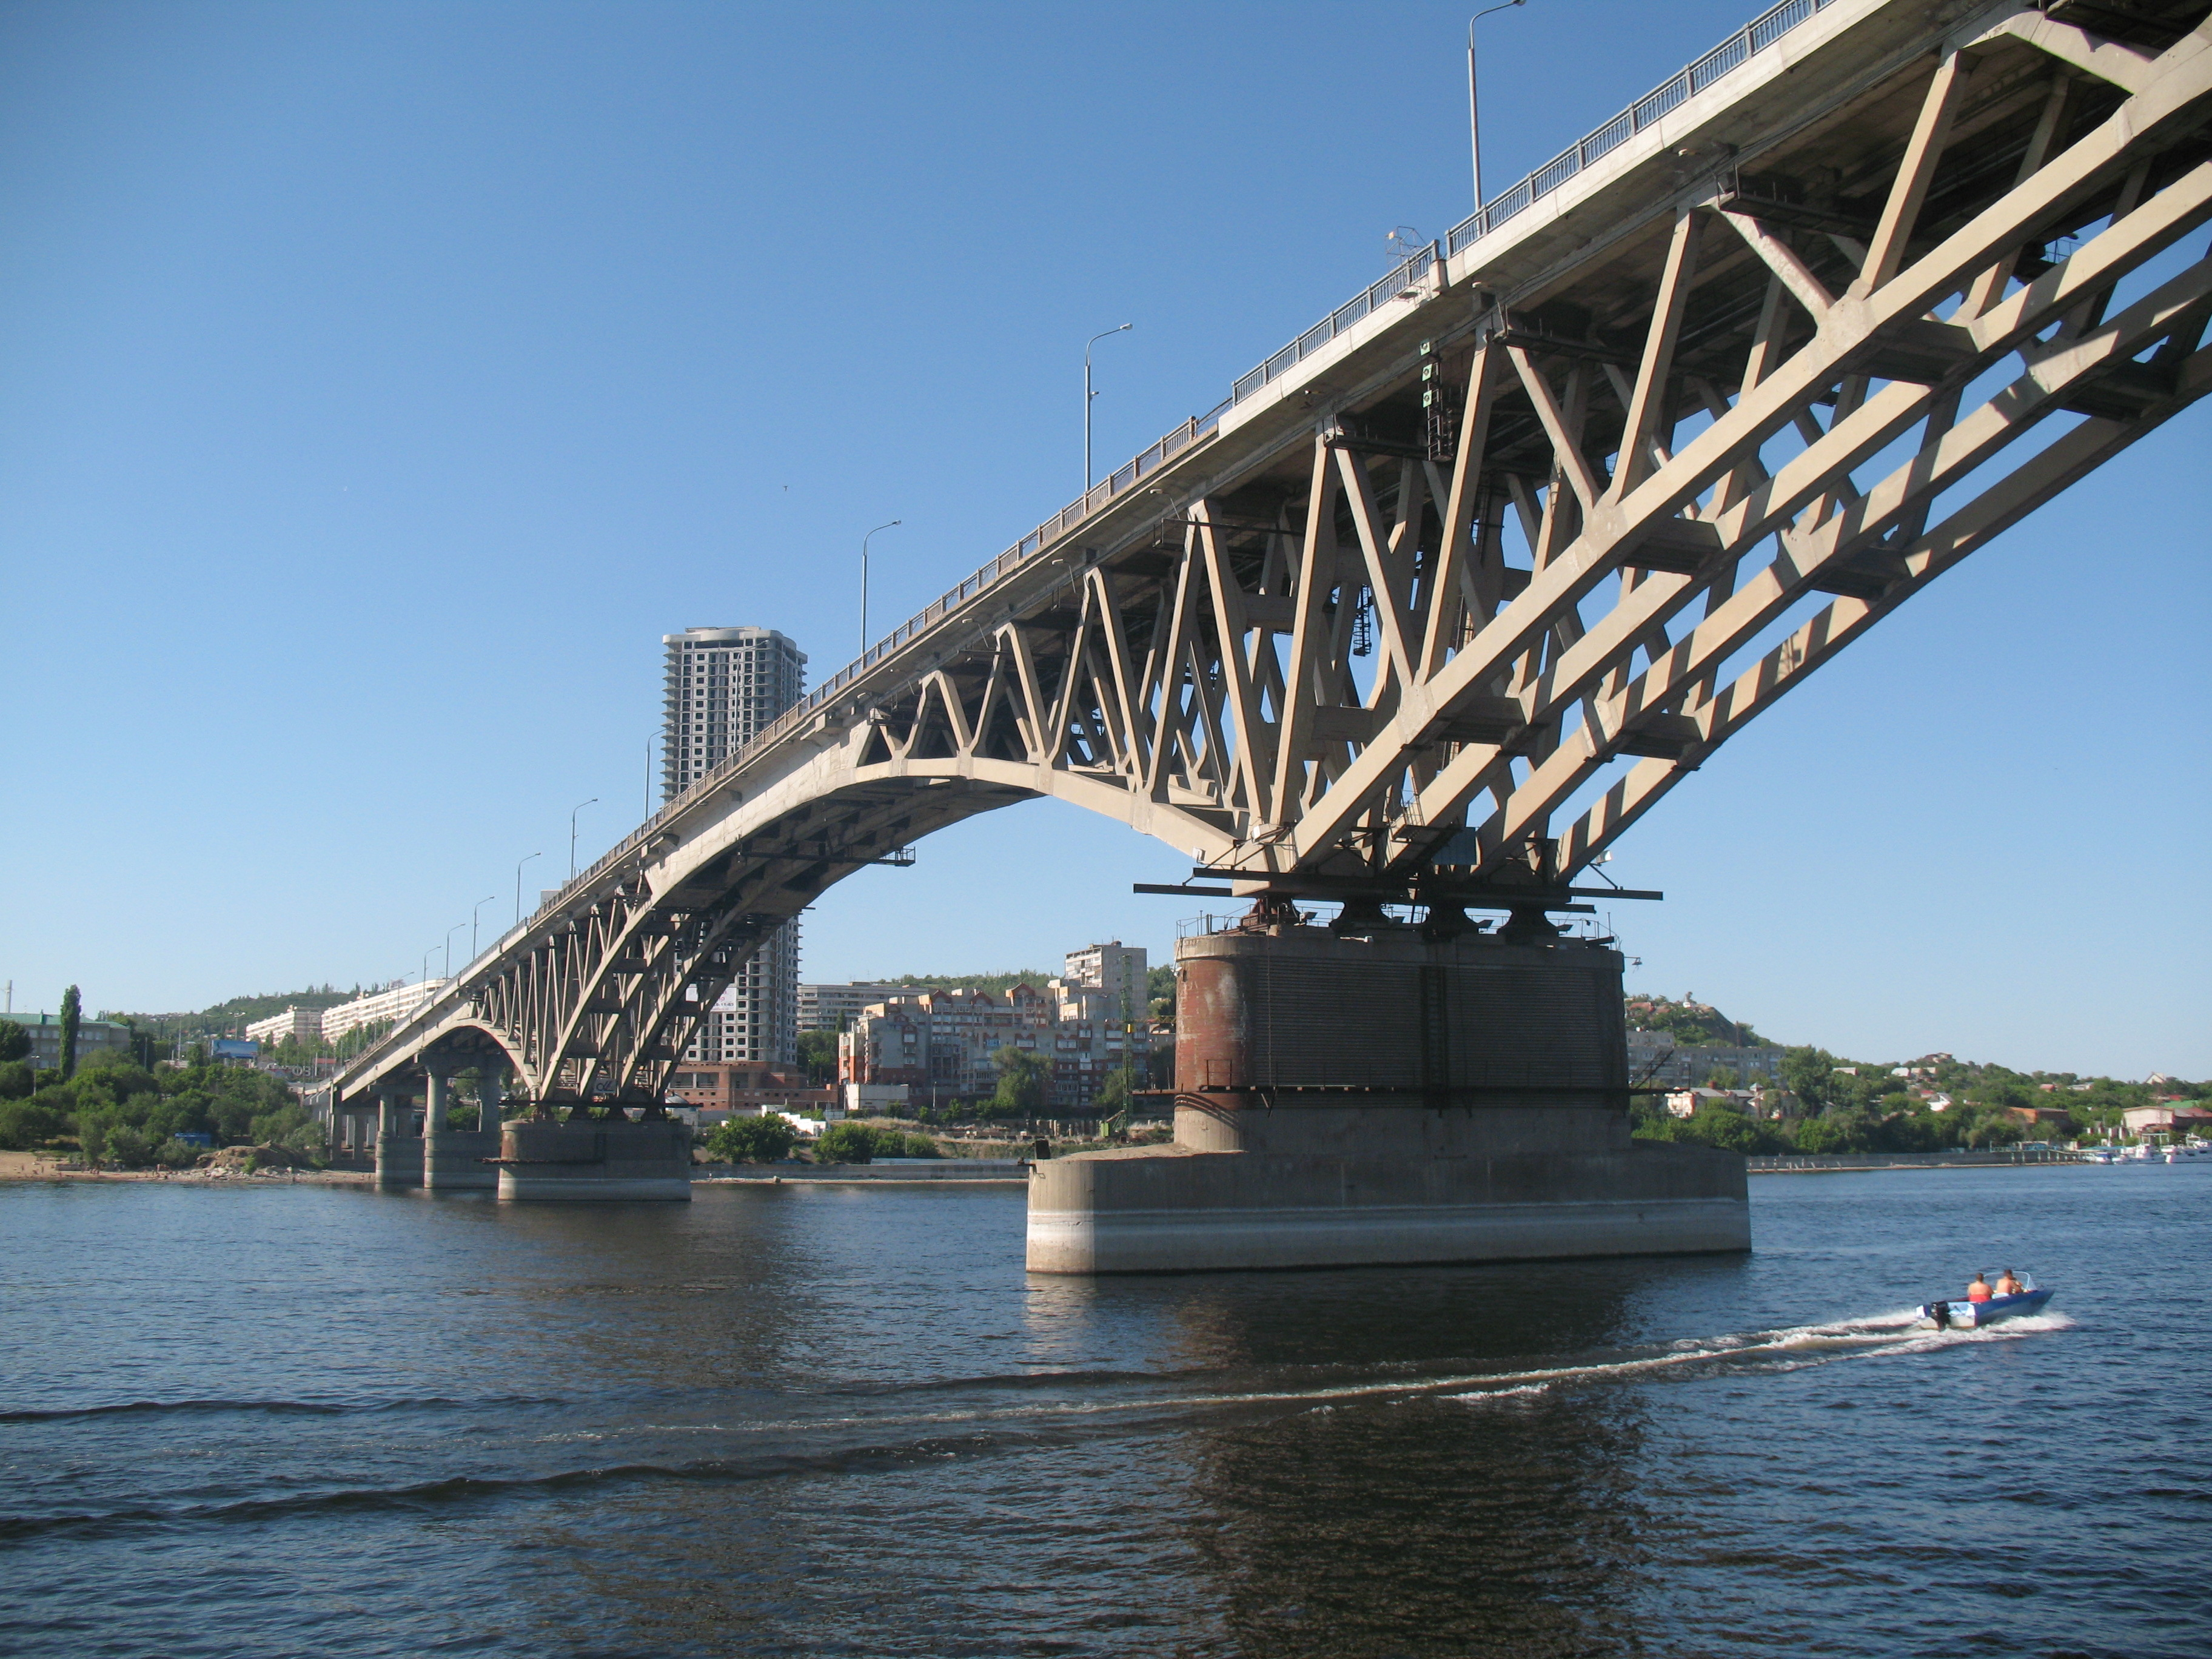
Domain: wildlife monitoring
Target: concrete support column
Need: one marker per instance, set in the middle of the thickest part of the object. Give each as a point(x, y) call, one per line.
point(398, 1152)
point(453, 1159)
point(437, 1101)
point(488, 1107)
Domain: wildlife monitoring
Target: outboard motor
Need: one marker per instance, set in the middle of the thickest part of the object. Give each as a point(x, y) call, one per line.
point(1941, 1313)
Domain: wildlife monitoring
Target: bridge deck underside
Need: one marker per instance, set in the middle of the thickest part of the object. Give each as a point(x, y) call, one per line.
point(1473, 601)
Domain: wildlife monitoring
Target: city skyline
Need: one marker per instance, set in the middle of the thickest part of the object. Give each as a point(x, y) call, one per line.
point(427, 415)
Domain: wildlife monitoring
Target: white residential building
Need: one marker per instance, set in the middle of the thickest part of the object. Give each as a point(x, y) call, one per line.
point(396, 1001)
point(725, 686)
point(293, 1024)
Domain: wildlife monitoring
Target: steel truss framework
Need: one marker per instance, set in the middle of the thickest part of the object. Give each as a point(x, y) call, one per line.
point(1495, 606)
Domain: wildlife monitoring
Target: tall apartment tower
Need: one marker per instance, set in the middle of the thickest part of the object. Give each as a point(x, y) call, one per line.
point(725, 686)
point(1116, 970)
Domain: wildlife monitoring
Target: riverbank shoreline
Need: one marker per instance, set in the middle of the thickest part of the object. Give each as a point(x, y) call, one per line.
point(941, 1172)
point(1863, 1162)
point(972, 1172)
point(28, 1166)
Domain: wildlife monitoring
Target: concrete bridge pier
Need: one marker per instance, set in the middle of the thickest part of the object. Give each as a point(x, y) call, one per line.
point(1344, 1100)
point(589, 1160)
point(399, 1152)
point(455, 1160)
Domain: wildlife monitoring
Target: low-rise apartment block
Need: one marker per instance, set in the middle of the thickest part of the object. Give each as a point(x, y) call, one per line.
point(94, 1036)
point(396, 1001)
point(834, 1007)
point(292, 1025)
point(1654, 1057)
point(717, 1090)
point(940, 1045)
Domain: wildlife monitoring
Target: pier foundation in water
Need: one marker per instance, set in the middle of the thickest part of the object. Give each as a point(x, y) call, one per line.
point(595, 1160)
point(1387, 1097)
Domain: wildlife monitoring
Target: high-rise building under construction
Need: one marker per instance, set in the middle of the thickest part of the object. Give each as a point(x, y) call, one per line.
point(724, 685)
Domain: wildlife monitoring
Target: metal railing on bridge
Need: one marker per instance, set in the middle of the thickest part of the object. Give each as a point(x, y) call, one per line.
point(1753, 37)
point(1741, 47)
point(1107, 490)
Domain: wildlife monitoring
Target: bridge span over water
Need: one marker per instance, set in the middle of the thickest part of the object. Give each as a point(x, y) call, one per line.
point(1457, 585)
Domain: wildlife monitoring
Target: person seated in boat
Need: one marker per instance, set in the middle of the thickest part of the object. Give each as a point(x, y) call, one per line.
point(1979, 1290)
point(2007, 1285)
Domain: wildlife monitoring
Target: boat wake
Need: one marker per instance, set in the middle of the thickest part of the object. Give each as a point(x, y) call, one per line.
point(558, 1449)
point(1788, 1349)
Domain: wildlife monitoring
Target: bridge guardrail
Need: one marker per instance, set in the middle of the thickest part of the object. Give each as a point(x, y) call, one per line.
point(1739, 48)
point(1107, 490)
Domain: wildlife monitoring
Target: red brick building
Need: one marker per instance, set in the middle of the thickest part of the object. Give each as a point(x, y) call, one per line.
point(745, 1088)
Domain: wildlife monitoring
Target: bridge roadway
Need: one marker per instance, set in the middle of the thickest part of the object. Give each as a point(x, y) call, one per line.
point(1458, 585)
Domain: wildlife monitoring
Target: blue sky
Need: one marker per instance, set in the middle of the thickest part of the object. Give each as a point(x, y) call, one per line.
point(381, 382)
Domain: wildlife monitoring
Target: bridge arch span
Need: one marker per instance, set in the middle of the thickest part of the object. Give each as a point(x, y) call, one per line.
point(1464, 580)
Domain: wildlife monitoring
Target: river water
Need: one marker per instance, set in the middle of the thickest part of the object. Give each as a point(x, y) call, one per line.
point(276, 1419)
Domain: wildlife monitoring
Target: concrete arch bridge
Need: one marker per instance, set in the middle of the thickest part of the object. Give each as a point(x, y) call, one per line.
point(1461, 582)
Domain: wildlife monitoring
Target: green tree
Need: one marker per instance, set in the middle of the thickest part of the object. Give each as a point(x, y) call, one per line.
point(1995, 1128)
point(1722, 1077)
point(1718, 1124)
point(1114, 1094)
point(1160, 992)
point(72, 1019)
point(26, 1123)
point(817, 1053)
point(15, 1042)
point(16, 1080)
point(762, 1140)
point(1810, 1074)
point(1023, 1079)
point(849, 1143)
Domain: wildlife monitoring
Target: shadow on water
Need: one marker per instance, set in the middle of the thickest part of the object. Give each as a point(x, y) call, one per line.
point(1480, 1517)
point(1307, 1463)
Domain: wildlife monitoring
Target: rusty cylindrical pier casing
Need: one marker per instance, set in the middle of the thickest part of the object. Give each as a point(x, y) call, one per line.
point(1389, 1098)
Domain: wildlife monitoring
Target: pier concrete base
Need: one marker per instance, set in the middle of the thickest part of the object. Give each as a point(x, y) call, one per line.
point(595, 1161)
point(457, 1160)
point(399, 1159)
point(1172, 1210)
point(1384, 1099)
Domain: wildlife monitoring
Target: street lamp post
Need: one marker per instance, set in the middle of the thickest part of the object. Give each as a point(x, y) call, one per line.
point(893, 524)
point(1088, 394)
point(473, 915)
point(517, 887)
point(1474, 125)
point(427, 955)
point(450, 931)
point(573, 810)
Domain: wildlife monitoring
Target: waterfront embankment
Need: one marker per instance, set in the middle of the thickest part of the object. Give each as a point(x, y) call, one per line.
point(965, 1170)
point(1997, 1157)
